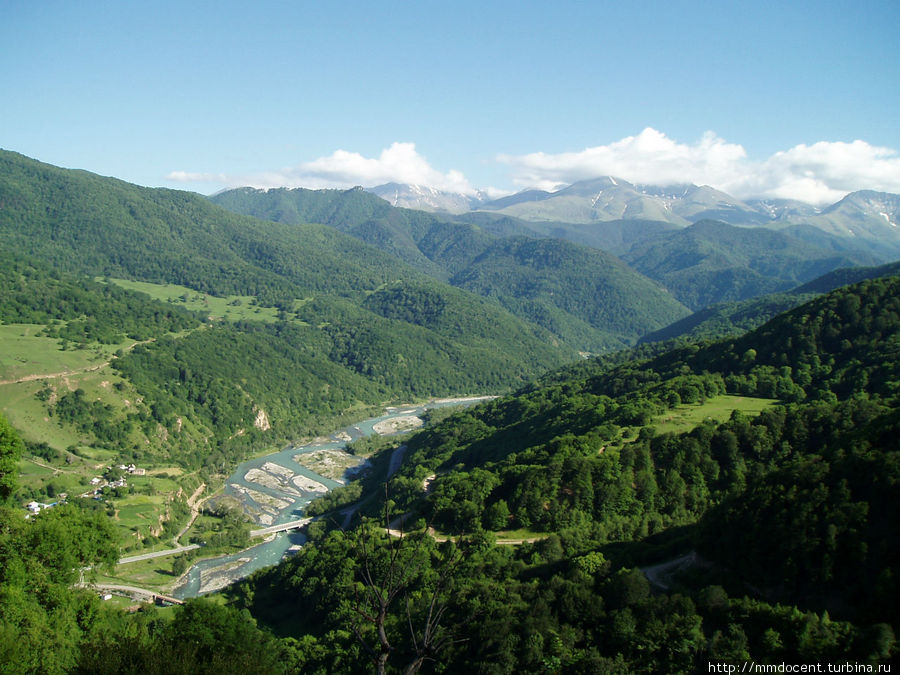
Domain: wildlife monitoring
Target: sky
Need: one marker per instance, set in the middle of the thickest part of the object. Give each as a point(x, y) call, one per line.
point(795, 99)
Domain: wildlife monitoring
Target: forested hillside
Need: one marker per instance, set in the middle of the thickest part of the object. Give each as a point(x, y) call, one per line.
point(586, 297)
point(151, 328)
point(80, 222)
point(729, 318)
point(712, 262)
point(849, 275)
point(81, 311)
point(780, 516)
point(571, 290)
point(711, 504)
point(351, 321)
point(734, 318)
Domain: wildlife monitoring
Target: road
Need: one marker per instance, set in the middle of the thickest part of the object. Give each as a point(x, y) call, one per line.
point(659, 575)
point(131, 591)
point(158, 554)
point(195, 511)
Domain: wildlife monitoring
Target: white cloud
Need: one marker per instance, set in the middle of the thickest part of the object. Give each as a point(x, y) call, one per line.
point(819, 173)
point(824, 172)
point(399, 163)
point(649, 157)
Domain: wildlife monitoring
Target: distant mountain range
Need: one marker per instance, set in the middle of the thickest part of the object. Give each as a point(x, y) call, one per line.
point(711, 261)
point(707, 262)
point(864, 215)
point(571, 286)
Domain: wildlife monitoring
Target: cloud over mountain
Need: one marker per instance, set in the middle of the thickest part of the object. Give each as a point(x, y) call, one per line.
point(399, 163)
point(820, 173)
point(649, 157)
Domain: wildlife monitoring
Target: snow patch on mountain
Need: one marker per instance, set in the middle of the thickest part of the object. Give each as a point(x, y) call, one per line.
point(425, 198)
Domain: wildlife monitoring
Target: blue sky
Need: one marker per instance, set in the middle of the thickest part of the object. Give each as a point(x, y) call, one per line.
point(795, 99)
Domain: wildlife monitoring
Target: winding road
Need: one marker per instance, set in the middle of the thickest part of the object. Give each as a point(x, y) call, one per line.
point(659, 575)
point(195, 511)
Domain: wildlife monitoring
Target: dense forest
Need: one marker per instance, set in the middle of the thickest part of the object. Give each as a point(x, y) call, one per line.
point(197, 384)
point(772, 530)
point(583, 295)
point(81, 311)
point(813, 482)
point(353, 328)
point(711, 262)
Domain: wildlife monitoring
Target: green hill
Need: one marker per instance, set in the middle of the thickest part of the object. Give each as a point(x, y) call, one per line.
point(850, 275)
point(80, 222)
point(733, 501)
point(711, 504)
point(728, 318)
point(711, 262)
point(571, 290)
point(585, 297)
point(338, 325)
point(733, 318)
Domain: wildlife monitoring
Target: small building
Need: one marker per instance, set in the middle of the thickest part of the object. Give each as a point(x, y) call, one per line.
point(37, 507)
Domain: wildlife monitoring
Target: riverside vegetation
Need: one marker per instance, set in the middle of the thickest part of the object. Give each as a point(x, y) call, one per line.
point(763, 466)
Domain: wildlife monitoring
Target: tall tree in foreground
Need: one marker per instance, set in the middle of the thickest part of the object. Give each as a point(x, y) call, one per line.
point(11, 448)
point(394, 566)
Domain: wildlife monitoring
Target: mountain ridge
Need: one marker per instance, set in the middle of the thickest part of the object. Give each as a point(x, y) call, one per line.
point(863, 215)
point(468, 255)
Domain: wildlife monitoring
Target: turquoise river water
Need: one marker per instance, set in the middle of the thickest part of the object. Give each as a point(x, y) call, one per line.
point(276, 489)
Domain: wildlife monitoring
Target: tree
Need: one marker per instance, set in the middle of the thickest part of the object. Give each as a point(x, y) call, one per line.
point(389, 568)
point(496, 516)
point(11, 449)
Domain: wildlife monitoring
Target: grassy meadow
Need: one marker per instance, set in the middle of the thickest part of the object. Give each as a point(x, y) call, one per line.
point(229, 308)
point(718, 409)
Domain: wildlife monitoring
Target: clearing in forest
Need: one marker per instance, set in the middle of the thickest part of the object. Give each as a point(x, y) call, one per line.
point(719, 408)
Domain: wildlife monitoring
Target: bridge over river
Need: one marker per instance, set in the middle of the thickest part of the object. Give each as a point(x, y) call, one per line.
point(284, 527)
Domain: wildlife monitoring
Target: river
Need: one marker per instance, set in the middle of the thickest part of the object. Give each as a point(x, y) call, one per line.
point(276, 489)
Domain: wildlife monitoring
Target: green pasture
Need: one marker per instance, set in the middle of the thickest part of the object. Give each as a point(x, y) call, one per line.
point(718, 409)
point(140, 511)
point(166, 471)
point(230, 308)
point(97, 455)
point(30, 362)
point(24, 352)
point(29, 470)
point(154, 574)
point(158, 484)
point(19, 404)
point(36, 477)
point(120, 602)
